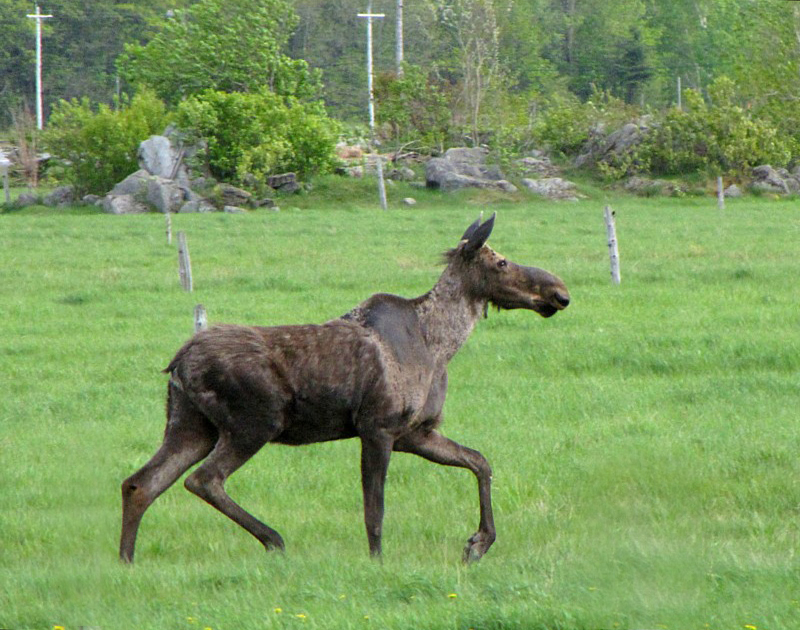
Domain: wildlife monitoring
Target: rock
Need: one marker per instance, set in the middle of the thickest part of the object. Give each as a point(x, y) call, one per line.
point(27, 199)
point(134, 184)
point(602, 147)
point(768, 179)
point(554, 188)
point(285, 183)
point(234, 210)
point(123, 204)
point(539, 165)
point(232, 196)
point(733, 191)
point(157, 156)
point(401, 174)
point(464, 167)
point(267, 202)
point(410, 201)
point(61, 196)
point(197, 205)
point(91, 200)
point(165, 195)
point(646, 187)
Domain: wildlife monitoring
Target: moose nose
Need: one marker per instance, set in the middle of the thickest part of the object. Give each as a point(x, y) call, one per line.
point(562, 299)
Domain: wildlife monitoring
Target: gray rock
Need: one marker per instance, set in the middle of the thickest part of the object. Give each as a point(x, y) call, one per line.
point(27, 199)
point(123, 204)
point(158, 156)
point(646, 187)
point(410, 201)
point(197, 205)
point(63, 195)
point(539, 165)
point(165, 195)
point(91, 200)
point(554, 188)
point(733, 191)
point(232, 196)
point(401, 174)
point(464, 167)
point(234, 210)
point(768, 179)
point(134, 184)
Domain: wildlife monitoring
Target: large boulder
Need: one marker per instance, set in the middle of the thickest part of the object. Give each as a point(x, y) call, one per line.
point(61, 196)
point(554, 188)
point(462, 168)
point(123, 204)
point(606, 147)
point(774, 180)
point(159, 157)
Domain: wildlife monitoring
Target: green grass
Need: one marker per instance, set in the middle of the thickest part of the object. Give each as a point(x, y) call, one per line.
point(645, 441)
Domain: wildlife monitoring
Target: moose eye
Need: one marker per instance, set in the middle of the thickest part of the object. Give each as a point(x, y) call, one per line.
point(502, 263)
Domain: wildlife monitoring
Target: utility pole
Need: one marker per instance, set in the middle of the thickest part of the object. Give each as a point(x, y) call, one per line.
point(399, 38)
point(369, 16)
point(39, 17)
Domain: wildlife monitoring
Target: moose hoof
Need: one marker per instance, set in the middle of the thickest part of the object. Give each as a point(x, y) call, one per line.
point(477, 546)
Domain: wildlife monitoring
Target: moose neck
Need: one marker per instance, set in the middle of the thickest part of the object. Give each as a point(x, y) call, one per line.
point(448, 313)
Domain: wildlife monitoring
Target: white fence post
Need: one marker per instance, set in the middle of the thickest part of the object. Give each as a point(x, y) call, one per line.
point(613, 250)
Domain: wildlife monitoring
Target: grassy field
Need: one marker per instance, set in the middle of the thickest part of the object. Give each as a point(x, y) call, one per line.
point(644, 442)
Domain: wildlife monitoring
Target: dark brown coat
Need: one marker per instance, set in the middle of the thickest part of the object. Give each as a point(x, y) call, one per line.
point(378, 373)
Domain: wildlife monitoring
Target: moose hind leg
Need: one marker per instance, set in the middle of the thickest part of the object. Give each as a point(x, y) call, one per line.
point(183, 446)
point(207, 482)
point(434, 447)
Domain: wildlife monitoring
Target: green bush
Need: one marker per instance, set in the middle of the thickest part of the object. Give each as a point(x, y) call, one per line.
point(415, 107)
point(720, 137)
point(97, 145)
point(259, 133)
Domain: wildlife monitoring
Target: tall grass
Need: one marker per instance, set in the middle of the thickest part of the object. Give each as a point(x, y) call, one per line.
point(645, 441)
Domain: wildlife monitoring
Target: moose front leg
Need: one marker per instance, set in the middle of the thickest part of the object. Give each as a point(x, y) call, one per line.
point(375, 454)
point(434, 447)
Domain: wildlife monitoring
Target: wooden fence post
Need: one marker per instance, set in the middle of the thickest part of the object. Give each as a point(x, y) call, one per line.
point(169, 227)
point(613, 250)
point(720, 194)
point(200, 318)
point(184, 263)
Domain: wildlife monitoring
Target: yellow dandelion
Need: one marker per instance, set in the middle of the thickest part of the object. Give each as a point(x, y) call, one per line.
point(300, 616)
point(452, 595)
point(750, 627)
point(58, 627)
point(277, 611)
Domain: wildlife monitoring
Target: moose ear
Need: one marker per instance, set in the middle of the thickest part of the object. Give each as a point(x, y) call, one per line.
point(471, 229)
point(477, 234)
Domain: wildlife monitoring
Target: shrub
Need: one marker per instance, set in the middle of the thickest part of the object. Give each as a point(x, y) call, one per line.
point(97, 145)
point(715, 138)
point(259, 133)
point(415, 107)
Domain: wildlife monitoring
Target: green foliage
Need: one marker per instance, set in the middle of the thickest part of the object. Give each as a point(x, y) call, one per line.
point(414, 106)
point(259, 133)
point(97, 144)
point(225, 45)
point(720, 137)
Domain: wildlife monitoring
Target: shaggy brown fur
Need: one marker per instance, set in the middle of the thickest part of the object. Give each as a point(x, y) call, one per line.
point(378, 373)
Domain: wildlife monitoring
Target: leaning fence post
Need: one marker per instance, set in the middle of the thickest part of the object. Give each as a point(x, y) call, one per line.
point(200, 318)
point(184, 264)
point(720, 194)
point(613, 250)
point(169, 227)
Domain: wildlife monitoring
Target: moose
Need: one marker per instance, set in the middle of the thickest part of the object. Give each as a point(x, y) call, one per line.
point(378, 373)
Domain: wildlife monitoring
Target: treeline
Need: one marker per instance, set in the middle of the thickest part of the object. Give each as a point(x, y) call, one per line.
point(507, 72)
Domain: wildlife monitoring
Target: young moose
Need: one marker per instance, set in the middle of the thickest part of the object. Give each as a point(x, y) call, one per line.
point(378, 373)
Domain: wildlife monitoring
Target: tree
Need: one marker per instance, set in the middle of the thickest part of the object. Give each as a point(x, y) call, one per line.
point(224, 45)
